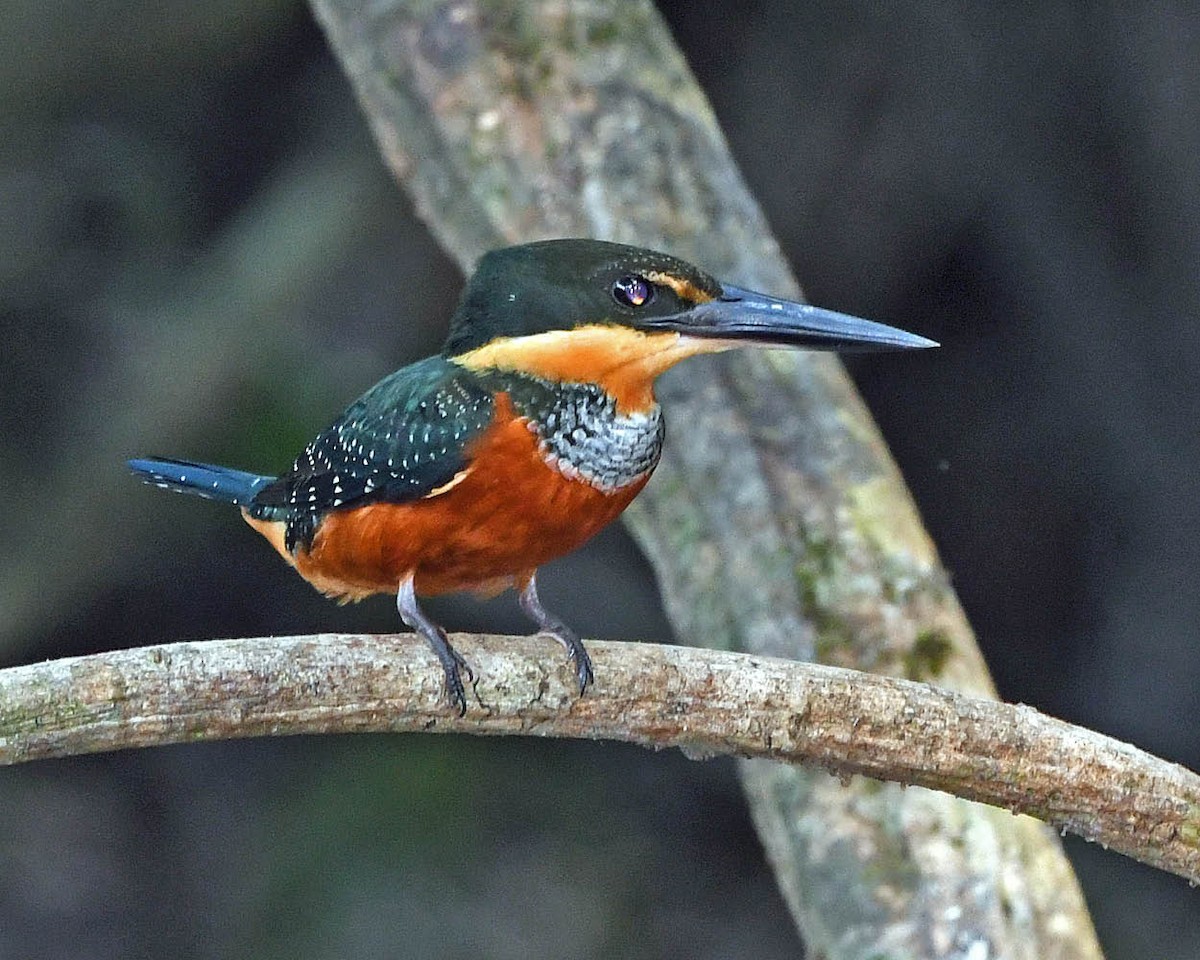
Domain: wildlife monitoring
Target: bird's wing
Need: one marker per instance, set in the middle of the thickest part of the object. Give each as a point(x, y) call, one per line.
point(403, 439)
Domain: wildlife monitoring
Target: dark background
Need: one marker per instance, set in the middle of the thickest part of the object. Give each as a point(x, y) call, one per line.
point(201, 254)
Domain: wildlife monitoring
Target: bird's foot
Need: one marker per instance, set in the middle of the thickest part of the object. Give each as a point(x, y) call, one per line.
point(454, 666)
point(553, 627)
point(577, 654)
point(451, 660)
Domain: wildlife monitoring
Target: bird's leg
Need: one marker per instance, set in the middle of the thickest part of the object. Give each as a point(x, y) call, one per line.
point(451, 660)
point(548, 623)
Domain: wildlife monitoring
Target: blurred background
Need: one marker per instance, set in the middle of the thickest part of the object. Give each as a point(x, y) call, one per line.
point(201, 254)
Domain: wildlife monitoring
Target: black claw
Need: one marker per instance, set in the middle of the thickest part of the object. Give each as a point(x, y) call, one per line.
point(455, 691)
point(459, 660)
point(583, 666)
point(454, 665)
point(576, 654)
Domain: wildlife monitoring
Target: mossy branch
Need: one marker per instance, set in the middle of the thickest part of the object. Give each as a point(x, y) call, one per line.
point(703, 701)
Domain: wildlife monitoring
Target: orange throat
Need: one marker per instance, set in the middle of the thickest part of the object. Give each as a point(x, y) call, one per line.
point(624, 361)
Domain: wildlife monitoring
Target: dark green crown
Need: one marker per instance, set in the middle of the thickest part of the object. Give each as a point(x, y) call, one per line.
point(563, 284)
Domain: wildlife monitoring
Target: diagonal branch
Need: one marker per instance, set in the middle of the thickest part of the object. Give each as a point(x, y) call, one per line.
point(705, 702)
point(779, 526)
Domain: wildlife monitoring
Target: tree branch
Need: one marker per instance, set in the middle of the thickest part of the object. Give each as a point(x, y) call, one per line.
point(780, 526)
point(703, 701)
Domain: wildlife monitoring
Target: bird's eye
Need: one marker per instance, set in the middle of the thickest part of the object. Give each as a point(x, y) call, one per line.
point(633, 291)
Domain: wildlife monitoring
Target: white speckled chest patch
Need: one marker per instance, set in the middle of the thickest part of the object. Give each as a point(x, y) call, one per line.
point(584, 437)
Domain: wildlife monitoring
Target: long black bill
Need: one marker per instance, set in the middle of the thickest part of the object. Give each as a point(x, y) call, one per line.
point(757, 319)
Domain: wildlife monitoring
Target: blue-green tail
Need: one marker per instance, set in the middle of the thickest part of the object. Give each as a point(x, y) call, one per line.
point(201, 479)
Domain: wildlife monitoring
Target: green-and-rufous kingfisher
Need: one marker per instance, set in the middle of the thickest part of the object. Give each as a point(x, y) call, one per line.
point(533, 428)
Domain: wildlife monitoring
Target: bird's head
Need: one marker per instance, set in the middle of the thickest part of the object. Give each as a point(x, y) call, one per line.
point(592, 311)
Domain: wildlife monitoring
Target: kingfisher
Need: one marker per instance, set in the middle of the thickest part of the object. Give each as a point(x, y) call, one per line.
point(531, 430)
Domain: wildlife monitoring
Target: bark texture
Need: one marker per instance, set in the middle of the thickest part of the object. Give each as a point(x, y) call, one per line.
point(705, 702)
point(777, 523)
